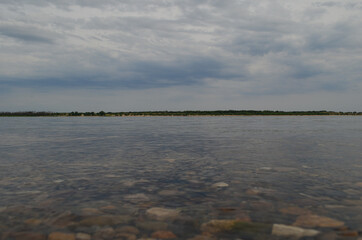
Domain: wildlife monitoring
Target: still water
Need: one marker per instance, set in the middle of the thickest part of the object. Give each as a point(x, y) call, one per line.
point(179, 177)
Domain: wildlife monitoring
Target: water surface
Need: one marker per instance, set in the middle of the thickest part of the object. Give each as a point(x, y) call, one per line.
point(76, 168)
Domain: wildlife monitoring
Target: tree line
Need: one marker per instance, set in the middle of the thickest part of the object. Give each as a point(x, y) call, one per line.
point(174, 113)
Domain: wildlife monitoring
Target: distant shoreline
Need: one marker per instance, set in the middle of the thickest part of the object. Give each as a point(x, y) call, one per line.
point(178, 113)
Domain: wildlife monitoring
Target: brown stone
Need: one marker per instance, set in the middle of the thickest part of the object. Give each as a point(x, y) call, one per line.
point(291, 231)
point(33, 222)
point(359, 184)
point(311, 220)
point(295, 211)
point(262, 205)
point(108, 208)
point(105, 220)
point(243, 217)
point(163, 235)
point(227, 209)
point(83, 236)
point(152, 225)
point(128, 236)
point(61, 236)
point(63, 220)
point(348, 234)
point(218, 226)
point(128, 229)
point(202, 237)
point(215, 226)
point(90, 211)
point(328, 236)
point(252, 192)
point(104, 234)
point(25, 235)
point(162, 213)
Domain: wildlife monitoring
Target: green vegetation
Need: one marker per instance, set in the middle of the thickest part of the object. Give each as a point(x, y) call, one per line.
point(176, 113)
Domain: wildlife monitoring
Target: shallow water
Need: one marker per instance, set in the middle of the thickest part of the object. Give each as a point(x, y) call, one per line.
point(55, 173)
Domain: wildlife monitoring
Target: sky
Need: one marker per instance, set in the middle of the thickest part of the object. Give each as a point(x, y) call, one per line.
point(146, 55)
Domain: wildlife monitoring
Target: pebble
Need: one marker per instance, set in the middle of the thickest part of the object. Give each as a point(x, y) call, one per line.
point(152, 225)
point(266, 168)
point(162, 213)
point(359, 184)
point(127, 236)
point(138, 197)
point(105, 220)
point(61, 236)
point(104, 234)
point(170, 160)
point(285, 169)
point(295, 211)
point(311, 220)
point(63, 220)
point(90, 211)
point(128, 229)
point(349, 233)
point(327, 236)
point(290, 231)
point(163, 235)
point(220, 185)
point(202, 237)
point(82, 236)
point(217, 226)
point(108, 208)
point(170, 193)
point(25, 235)
point(33, 221)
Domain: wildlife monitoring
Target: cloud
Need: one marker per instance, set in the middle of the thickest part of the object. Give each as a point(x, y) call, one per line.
point(27, 34)
point(234, 48)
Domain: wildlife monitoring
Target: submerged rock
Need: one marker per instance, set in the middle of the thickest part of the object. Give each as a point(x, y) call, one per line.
point(170, 160)
point(138, 197)
point(220, 185)
point(90, 211)
point(162, 213)
point(152, 225)
point(104, 234)
point(128, 229)
point(63, 220)
point(359, 184)
point(295, 211)
point(83, 236)
point(24, 235)
point(348, 233)
point(108, 208)
point(311, 220)
point(202, 237)
point(163, 235)
point(170, 193)
point(105, 220)
point(290, 231)
point(217, 226)
point(127, 236)
point(61, 236)
point(33, 221)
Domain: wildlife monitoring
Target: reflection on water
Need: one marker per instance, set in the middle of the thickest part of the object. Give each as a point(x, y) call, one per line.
point(181, 177)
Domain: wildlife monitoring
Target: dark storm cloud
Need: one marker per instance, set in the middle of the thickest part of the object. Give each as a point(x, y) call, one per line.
point(27, 34)
point(134, 75)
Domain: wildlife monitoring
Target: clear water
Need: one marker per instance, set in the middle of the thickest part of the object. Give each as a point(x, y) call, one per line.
point(123, 166)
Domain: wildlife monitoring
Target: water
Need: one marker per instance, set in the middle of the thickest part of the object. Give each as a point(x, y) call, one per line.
point(58, 172)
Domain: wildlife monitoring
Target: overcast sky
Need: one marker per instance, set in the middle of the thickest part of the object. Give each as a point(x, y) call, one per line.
point(132, 55)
